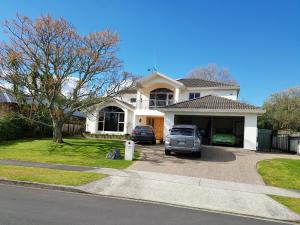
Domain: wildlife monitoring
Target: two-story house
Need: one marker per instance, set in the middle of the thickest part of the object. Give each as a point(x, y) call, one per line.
point(161, 101)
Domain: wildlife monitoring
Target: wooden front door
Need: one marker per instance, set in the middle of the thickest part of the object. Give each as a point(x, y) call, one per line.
point(158, 125)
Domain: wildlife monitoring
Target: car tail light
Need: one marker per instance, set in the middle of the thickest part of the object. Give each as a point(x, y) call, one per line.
point(135, 132)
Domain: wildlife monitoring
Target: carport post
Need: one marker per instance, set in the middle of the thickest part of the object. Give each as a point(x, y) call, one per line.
point(250, 132)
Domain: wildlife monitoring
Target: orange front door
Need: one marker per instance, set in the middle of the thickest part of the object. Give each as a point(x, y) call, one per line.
point(158, 125)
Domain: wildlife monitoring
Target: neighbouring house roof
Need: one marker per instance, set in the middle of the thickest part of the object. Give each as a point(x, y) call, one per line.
point(7, 98)
point(197, 82)
point(215, 103)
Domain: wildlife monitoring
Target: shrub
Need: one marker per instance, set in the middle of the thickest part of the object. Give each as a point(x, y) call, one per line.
point(12, 128)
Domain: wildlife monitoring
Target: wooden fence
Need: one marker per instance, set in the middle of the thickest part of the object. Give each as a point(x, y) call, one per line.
point(270, 141)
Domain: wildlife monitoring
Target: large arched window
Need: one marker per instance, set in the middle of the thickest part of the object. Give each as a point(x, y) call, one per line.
point(161, 97)
point(111, 118)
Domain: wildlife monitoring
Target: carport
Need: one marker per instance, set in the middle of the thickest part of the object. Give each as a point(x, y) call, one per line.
point(210, 125)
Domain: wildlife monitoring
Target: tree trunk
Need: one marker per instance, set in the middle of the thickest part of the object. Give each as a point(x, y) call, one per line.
point(57, 131)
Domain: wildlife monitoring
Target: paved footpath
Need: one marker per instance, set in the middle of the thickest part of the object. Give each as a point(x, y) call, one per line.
point(185, 191)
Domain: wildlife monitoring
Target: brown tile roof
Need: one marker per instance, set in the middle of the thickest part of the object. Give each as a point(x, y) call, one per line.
point(214, 103)
point(196, 82)
point(131, 90)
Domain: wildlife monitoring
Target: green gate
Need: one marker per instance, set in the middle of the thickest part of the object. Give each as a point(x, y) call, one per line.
point(264, 139)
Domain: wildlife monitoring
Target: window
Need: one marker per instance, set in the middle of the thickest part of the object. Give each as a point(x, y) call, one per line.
point(161, 97)
point(193, 95)
point(133, 100)
point(111, 118)
point(182, 131)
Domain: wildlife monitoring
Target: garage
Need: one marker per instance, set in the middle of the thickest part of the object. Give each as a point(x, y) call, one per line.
point(217, 115)
point(215, 125)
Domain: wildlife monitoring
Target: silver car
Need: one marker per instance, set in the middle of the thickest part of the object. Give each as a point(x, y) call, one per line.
point(183, 139)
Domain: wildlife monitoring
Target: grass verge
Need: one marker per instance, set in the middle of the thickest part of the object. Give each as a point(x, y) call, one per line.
point(284, 173)
point(291, 203)
point(74, 151)
point(48, 176)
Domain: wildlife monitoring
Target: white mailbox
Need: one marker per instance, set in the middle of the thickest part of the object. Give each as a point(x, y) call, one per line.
point(129, 150)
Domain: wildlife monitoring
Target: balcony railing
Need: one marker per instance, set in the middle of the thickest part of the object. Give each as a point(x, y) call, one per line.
point(153, 103)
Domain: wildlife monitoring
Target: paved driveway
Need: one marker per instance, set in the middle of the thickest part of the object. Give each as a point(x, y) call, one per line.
point(221, 163)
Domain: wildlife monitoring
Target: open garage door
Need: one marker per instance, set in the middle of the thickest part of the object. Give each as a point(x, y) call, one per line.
point(222, 128)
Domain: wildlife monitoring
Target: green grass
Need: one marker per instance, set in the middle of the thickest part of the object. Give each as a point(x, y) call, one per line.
point(74, 151)
point(284, 173)
point(48, 176)
point(292, 203)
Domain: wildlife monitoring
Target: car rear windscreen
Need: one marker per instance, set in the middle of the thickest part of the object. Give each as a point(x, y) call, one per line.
point(182, 131)
point(147, 128)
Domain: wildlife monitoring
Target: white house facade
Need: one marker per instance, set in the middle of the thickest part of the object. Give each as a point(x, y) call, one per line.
point(161, 102)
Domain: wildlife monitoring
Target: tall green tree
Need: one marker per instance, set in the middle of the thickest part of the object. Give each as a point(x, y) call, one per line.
point(282, 111)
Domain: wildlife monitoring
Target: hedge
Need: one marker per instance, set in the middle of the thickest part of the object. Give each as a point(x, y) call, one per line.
point(12, 128)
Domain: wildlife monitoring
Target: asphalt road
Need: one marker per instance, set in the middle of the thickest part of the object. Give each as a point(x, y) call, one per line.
point(27, 206)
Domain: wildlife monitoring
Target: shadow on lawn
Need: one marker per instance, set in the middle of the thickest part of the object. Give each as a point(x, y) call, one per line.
point(86, 147)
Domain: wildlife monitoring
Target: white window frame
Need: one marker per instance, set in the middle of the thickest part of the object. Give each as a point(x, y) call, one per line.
point(194, 95)
point(103, 121)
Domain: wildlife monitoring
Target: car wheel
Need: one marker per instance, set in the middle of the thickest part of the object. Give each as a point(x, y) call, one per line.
point(154, 142)
point(167, 152)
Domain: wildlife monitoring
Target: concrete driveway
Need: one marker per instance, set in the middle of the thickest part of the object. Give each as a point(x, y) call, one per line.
point(221, 163)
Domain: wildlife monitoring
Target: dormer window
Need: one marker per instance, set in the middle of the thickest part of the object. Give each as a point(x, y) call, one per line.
point(193, 95)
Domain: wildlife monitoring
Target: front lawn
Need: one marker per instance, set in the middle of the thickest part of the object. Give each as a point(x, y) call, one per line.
point(284, 173)
point(48, 176)
point(74, 151)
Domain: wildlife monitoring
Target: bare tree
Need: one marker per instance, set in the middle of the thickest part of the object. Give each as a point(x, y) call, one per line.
point(213, 73)
point(53, 70)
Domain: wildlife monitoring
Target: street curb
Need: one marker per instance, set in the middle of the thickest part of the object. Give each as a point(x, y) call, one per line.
point(43, 186)
point(296, 222)
point(79, 191)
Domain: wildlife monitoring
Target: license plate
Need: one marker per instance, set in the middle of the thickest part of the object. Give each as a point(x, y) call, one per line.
point(143, 134)
point(181, 142)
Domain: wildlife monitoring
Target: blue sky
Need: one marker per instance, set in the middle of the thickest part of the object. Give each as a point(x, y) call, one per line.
point(257, 40)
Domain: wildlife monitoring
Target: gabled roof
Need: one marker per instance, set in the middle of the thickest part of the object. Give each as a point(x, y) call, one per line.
point(158, 74)
point(197, 82)
point(126, 104)
point(215, 103)
point(187, 82)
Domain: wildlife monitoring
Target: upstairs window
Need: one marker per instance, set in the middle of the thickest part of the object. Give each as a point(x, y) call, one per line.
point(193, 95)
point(161, 97)
point(133, 100)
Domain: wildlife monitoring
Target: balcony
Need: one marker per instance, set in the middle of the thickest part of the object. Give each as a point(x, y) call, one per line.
point(153, 103)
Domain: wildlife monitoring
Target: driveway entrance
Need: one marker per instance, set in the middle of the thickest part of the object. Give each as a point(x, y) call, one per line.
point(221, 163)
